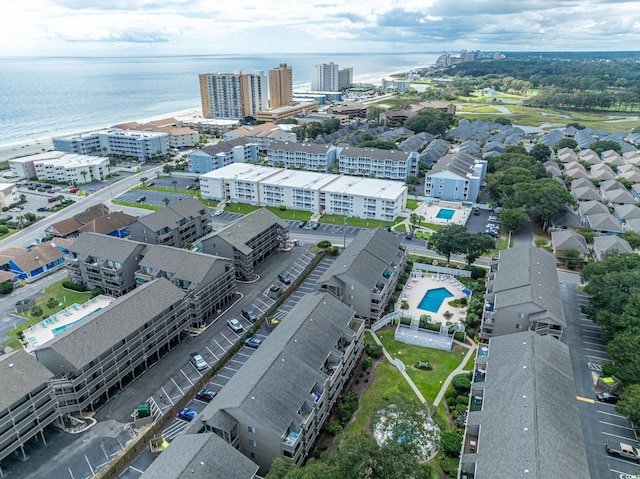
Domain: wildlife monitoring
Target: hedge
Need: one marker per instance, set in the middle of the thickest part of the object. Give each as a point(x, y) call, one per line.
point(81, 288)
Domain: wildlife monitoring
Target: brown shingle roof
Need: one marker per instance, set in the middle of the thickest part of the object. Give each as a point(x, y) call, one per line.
point(39, 256)
point(108, 223)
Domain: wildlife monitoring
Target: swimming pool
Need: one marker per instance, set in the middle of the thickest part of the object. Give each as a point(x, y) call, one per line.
point(445, 214)
point(433, 299)
point(59, 329)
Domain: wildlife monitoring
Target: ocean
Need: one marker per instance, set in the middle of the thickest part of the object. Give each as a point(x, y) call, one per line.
point(45, 97)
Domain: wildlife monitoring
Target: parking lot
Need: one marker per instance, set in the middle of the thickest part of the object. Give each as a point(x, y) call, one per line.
point(153, 197)
point(178, 384)
point(181, 183)
point(600, 422)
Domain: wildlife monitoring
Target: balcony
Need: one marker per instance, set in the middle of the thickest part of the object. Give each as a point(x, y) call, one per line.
point(291, 436)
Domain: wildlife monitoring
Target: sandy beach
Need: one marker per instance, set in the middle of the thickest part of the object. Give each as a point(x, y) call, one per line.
point(39, 145)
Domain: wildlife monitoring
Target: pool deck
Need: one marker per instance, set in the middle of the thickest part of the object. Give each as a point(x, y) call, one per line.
point(430, 212)
point(417, 287)
point(42, 332)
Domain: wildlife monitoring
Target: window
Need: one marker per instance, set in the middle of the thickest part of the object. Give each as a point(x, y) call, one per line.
point(520, 315)
point(253, 455)
point(518, 326)
point(251, 429)
point(253, 443)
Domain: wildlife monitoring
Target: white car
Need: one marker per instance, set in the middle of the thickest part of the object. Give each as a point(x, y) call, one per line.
point(218, 212)
point(235, 325)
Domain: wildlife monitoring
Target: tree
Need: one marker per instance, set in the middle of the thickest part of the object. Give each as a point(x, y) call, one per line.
point(23, 198)
point(623, 350)
point(166, 201)
point(476, 245)
point(52, 303)
point(540, 152)
point(175, 184)
point(167, 169)
point(451, 443)
point(280, 467)
point(543, 198)
point(501, 120)
point(432, 121)
point(60, 198)
point(142, 180)
point(604, 145)
point(6, 287)
point(629, 403)
point(511, 219)
point(36, 311)
point(451, 239)
point(84, 175)
point(567, 143)
point(632, 238)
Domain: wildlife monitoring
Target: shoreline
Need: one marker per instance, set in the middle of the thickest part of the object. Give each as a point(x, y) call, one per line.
point(32, 146)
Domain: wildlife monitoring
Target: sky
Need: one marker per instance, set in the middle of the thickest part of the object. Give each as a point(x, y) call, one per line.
point(180, 27)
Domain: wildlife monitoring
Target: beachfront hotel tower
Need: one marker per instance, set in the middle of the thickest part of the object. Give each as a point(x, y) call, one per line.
point(324, 77)
point(233, 95)
point(280, 86)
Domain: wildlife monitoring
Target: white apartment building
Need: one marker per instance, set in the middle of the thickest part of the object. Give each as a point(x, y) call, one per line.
point(24, 167)
point(387, 164)
point(72, 169)
point(142, 145)
point(7, 194)
point(305, 190)
point(307, 156)
point(324, 77)
point(396, 85)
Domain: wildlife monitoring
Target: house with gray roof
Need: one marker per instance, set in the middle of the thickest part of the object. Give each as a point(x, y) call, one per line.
point(366, 273)
point(566, 219)
point(624, 213)
point(249, 241)
point(523, 293)
point(584, 190)
point(525, 421)
point(182, 222)
point(378, 163)
point(209, 281)
point(562, 241)
point(307, 156)
point(601, 172)
point(277, 403)
point(585, 138)
point(586, 208)
point(96, 358)
point(575, 170)
point(603, 224)
point(434, 151)
point(620, 196)
point(27, 403)
point(552, 138)
point(456, 177)
point(608, 244)
point(104, 262)
point(416, 142)
point(191, 456)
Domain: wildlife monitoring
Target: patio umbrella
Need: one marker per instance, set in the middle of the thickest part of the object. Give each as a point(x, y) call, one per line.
point(466, 292)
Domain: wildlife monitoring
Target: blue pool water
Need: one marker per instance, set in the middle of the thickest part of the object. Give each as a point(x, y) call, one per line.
point(433, 299)
point(59, 329)
point(445, 214)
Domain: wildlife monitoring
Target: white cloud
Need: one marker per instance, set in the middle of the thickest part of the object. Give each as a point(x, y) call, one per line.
point(118, 27)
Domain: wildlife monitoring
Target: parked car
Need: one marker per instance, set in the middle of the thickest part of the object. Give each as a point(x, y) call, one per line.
point(218, 212)
point(408, 235)
point(476, 211)
point(249, 315)
point(315, 225)
point(140, 199)
point(52, 199)
point(205, 395)
point(43, 208)
point(14, 210)
point(302, 224)
point(151, 183)
point(198, 361)
point(187, 414)
point(387, 228)
point(42, 190)
point(284, 278)
point(608, 397)
point(235, 325)
point(252, 342)
point(32, 187)
point(8, 217)
point(74, 190)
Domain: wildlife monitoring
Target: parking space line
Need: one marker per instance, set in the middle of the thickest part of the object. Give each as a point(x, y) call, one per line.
point(597, 357)
point(234, 361)
point(230, 342)
point(616, 425)
point(183, 373)
point(610, 413)
point(596, 350)
point(215, 341)
point(176, 385)
point(216, 384)
point(240, 353)
point(198, 400)
point(229, 367)
point(594, 344)
point(212, 353)
point(615, 435)
point(223, 376)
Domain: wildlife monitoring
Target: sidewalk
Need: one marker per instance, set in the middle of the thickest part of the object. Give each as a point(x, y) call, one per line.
point(446, 383)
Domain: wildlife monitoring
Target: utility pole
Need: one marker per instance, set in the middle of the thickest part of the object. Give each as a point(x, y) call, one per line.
point(344, 232)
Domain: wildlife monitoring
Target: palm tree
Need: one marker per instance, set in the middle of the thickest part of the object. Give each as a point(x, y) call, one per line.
point(142, 180)
point(60, 198)
point(175, 183)
point(84, 175)
point(166, 201)
point(23, 198)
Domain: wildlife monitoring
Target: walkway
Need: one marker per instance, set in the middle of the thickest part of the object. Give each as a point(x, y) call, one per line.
point(445, 385)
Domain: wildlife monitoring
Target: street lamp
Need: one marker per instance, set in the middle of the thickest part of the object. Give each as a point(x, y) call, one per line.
point(344, 232)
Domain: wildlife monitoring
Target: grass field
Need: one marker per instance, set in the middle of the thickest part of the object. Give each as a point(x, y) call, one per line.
point(137, 205)
point(64, 296)
point(412, 204)
point(362, 223)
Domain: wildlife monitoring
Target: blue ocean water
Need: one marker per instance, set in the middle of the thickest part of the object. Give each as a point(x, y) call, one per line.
point(44, 97)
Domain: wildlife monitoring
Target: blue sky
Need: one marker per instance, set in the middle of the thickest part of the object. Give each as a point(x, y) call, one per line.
point(165, 27)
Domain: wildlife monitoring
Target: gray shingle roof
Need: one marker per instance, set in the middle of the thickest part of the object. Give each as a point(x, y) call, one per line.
point(564, 240)
point(20, 374)
point(196, 456)
point(606, 243)
point(528, 275)
point(604, 222)
point(226, 146)
point(172, 214)
point(279, 376)
point(105, 247)
point(529, 419)
point(374, 153)
point(183, 264)
point(566, 218)
point(95, 335)
point(311, 148)
point(246, 228)
point(459, 163)
point(591, 207)
point(365, 258)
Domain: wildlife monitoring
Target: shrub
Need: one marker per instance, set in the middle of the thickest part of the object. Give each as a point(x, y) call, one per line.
point(451, 443)
point(73, 286)
point(96, 292)
point(282, 208)
point(478, 272)
point(333, 427)
point(3, 230)
point(451, 402)
point(450, 393)
point(373, 350)
point(462, 400)
point(324, 244)
point(367, 363)
point(458, 336)
point(6, 287)
point(608, 369)
point(461, 383)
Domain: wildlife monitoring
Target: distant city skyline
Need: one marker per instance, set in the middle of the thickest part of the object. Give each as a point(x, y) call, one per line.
point(179, 27)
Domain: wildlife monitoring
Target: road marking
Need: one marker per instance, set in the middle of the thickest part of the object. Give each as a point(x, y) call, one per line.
point(214, 354)
point(176, 385)
point(621, 437)
point(595, 350)
point(580, 398)
point(610, 413)
point(183, 373)
point(597, 357)
point(223, 376)
point(616, 425)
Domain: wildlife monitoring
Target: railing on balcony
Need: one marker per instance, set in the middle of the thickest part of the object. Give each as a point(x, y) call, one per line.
point(291, 435)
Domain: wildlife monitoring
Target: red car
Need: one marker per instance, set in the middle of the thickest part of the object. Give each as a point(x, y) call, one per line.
point(74, 190)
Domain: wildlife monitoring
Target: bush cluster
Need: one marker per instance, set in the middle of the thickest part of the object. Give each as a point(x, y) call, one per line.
point(73, 286)
point(347, 406)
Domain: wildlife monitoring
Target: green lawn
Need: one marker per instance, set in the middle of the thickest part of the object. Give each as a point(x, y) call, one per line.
point(428, 382)
point(412, 204)
point(362, 223)
point(137, 205)
point(166, 190)
point(241, 208)
point(290, 214)
point(64, 296)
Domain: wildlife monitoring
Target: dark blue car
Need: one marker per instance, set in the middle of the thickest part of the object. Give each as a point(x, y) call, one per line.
point(186, 414)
